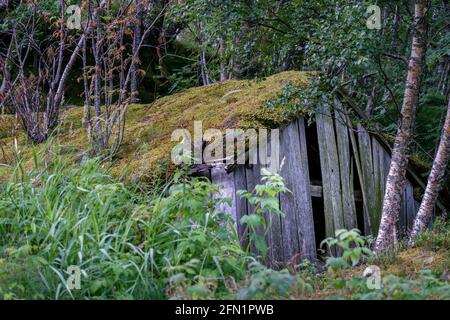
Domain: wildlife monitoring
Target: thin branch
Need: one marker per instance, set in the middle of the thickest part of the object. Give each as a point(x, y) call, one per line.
point(396, 57)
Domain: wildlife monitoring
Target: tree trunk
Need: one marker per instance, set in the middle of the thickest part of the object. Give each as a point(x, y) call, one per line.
point(136, 40)
point(204, 69)
point(86, 120)
point(371, 101)
point(443, 79)
point(396, 27)
point(6, 76)
point(3, 88)
point(223, 66)
point(434, 181)
point(96, 47)
point(396, 179)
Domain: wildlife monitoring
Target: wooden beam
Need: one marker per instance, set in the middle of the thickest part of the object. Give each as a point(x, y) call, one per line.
point(317, 192)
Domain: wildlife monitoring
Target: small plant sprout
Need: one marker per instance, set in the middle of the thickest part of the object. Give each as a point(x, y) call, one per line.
point(350, 244)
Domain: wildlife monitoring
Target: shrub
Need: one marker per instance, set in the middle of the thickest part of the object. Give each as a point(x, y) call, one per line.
point(352, 246)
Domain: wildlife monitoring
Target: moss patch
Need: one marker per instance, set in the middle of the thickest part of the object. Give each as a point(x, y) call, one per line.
point(407, 265)
point(147, 146)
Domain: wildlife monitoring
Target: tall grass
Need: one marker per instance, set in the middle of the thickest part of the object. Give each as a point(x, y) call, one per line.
point(171, 242)
point(127, 244)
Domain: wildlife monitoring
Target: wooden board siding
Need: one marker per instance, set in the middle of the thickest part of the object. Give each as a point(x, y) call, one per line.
point(346, 169)
point(380, 163)
point(253, 175)
point(408, 210)
point(306, 217)
point(375, 163)
point(240, 183)
point(298, 223)
point(410, 207)
point(343, 154)
point(225, 181)
point(292, 236)
point(365, 153)
point(274, 222)
point(331, 179)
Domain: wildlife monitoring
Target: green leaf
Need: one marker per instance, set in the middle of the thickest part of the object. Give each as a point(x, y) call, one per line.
point(260, 244)
point(252, 220)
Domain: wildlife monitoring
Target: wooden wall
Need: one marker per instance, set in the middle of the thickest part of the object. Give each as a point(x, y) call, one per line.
point(346, 155)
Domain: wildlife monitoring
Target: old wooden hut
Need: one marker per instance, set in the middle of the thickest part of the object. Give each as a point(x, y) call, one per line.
point(336, 172)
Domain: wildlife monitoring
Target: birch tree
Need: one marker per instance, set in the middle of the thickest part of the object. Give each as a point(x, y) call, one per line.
point(397, 173)
point(435, 180)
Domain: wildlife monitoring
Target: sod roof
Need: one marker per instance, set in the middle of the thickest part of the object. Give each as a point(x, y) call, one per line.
point(146, 148)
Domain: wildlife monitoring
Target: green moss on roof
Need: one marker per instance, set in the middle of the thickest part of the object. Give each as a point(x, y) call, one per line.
point(222, 105)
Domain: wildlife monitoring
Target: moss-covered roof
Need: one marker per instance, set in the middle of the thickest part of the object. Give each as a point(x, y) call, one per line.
point(228, 104)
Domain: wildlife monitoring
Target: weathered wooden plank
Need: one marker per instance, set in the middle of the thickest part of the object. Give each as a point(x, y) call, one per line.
point(288, 203)
point(332, 193)
point(410, 208)
point(407, 210)
point(345, 168)
point(378, 156)
point(326, 188)
point(316, 191)
point(365, 152)
point(240, 183)
point(225, 181)
point(275, 235)
point(253, 175)
point(297, 226)
point(306, 217)
point(415, 178)
point(403, 217)
point(358, 164)
point(264, 162)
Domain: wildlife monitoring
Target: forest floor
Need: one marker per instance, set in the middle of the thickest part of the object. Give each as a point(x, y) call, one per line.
point(405, 274)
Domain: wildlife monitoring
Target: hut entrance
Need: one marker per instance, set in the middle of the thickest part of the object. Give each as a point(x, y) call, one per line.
point(315, 175)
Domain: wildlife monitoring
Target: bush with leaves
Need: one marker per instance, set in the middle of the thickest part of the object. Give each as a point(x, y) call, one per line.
point(264, 200)
point(352, 246)
point(127, 244)
point(426, 286)
point(267, 283)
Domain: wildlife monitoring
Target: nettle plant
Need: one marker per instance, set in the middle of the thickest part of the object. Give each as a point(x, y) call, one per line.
point(352, 248)
point(265, 203)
